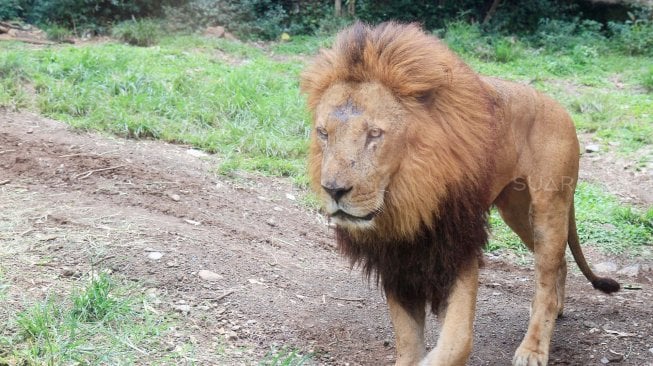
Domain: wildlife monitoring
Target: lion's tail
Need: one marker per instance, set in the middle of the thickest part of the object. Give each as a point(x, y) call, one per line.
point(605, 284)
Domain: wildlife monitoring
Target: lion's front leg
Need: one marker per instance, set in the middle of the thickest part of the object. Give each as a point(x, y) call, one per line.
point(408, 323)
point(456, 335)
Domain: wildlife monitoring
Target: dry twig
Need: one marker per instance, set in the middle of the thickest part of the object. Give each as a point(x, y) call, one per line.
point(87, 174)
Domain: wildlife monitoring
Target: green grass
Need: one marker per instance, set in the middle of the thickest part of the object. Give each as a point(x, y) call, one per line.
point(101, 323)
point(602, 222)
point(284, 357)
point(246, 107)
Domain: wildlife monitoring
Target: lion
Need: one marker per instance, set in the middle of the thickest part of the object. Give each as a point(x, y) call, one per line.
point(410, 149)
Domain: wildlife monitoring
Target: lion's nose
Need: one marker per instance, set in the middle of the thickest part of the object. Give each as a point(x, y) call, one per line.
point(335, 191)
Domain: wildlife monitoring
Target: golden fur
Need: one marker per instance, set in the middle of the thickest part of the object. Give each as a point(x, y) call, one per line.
point(409, 151)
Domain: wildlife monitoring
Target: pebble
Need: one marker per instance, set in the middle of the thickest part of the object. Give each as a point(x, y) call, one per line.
point(630, 271)
point(590, 324)
point(606, 267)
point(231, 335)
point(650, 349)
point(67, 272)
point(183, 308)
point(174, 197)
point(592, 148)
point(196, 153)
point(605, 360)
point(271, 222)
point(155, 256)
point(207, 275)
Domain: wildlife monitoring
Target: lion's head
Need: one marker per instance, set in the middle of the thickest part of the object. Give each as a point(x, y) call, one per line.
point(400, 123)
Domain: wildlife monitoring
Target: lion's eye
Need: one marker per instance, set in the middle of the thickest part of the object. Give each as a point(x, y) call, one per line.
point(322, 133)
point(375, 133)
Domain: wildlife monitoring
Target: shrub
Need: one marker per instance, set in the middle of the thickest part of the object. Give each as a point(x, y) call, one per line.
point(249, 19)
point(142, 32)
point(10, 9)
point(57, 33)
point(647, 79)
point(633, 37)
point(506, 49)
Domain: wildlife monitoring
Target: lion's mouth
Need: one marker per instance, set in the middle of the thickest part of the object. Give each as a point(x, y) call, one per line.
point(345, 216)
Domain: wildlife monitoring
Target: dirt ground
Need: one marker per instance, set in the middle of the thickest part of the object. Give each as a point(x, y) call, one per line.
point(71, 200)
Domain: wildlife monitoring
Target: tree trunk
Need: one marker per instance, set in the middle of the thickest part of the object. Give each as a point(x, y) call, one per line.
point(338, 8)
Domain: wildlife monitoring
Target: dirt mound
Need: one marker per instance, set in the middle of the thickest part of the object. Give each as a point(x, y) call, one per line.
point(77, 199)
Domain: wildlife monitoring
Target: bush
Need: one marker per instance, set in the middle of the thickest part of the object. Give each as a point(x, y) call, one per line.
point(647, 79)
point(10, 9)
point(57, 33)
point(633, 37)
point(142, 32)
point(249, 19)
point(506, 49)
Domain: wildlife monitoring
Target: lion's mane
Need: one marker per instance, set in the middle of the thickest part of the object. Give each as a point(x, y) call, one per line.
point(435, 215)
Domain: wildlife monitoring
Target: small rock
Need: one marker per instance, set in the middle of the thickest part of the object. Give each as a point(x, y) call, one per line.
point(592, 148)
point(277, 208)
point(605, 361)
point(614, 356)
point(209, 276)
point(30, 131)
point(386, 343)
point(231, 335)
point(606, 267)
point(67, 272)
point(174, 197)
point(192, 222)
point(650, 349)
point(183, 308)
point(645, 268)
point(196, 153)
point(630, 271)
point(290, 196)
point(172, 264)
point(590, 324)
point(155, 256)
point(271, 222)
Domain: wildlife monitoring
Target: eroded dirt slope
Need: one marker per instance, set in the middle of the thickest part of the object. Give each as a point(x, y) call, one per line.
point(69, 200)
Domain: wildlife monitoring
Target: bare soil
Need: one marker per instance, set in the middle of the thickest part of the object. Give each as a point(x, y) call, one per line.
point(71, 200)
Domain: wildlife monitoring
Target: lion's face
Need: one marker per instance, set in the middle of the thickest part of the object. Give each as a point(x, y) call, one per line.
point(359, 135)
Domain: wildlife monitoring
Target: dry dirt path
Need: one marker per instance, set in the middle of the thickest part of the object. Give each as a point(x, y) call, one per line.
point(71, 199)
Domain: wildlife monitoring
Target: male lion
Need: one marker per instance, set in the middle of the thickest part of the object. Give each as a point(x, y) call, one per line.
point(409, 151)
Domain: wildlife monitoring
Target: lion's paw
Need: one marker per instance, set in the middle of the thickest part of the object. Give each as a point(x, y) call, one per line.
point(526, 357)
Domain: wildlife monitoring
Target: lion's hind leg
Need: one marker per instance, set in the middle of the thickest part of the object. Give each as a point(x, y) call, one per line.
point(514, 206)
point(549, 212)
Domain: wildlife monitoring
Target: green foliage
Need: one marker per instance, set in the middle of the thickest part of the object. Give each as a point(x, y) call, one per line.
point(102, 324)
point(142, 32)
point(57, 33)
point(506, 50)
point(647, 79)
point(633, 38)
point(249, 19)
point(81, 15)
point(603, 221)
point(284, 357)
point(10, 9)
point(96, 302)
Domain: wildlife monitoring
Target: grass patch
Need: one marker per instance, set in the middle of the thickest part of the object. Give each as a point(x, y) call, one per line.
point(141, 32)
point(285, 357)
point(250, 112)
point(602, 222)
point(102, 323)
